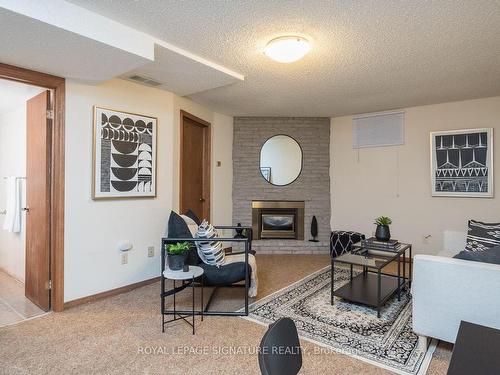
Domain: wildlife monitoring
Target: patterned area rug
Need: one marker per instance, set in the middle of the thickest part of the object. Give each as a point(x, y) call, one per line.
point(348, 328)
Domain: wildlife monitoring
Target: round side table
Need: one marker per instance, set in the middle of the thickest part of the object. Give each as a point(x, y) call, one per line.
point(189, 277)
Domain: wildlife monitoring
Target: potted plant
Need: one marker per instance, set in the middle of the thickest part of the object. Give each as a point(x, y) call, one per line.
point(383, 233)
point(177, 254)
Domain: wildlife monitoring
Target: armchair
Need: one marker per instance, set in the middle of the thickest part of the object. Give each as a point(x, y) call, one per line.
point(233, 275)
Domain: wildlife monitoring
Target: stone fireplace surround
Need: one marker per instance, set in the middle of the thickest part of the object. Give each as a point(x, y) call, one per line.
point(312, 186)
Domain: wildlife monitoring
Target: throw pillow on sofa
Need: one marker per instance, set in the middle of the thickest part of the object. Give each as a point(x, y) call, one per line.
point(482, 236)
point(491, 255)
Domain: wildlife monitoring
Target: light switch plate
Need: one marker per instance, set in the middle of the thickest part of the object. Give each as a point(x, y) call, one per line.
point(124, 258)
point(151, 251)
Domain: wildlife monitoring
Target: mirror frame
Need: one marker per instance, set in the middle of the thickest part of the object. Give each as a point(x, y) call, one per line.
point(301, 159)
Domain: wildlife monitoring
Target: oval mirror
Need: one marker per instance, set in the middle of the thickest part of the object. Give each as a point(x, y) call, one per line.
point(280, 160)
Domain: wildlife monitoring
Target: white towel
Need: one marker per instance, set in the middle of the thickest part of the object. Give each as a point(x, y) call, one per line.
point(12, 221)
point(254, 281)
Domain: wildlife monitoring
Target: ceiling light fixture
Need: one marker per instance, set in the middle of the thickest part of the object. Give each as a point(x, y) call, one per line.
point(287, 49)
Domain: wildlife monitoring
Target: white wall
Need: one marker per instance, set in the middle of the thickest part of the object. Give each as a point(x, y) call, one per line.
point(222, 177)
point(93, 229)
point(13, 163)
point(395, 181)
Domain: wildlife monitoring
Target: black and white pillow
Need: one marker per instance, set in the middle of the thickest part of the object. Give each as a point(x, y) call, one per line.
point(482, 236)
point(211, 251)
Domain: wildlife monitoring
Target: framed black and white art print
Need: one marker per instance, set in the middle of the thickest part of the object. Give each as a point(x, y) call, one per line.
point(124, 154)
point(462, 163)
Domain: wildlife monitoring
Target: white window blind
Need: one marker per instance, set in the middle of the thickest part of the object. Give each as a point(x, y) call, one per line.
point(377, 130)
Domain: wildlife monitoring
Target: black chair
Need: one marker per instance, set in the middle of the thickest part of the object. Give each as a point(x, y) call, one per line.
point(280, 352)
point(475, 351)
point(234, 275)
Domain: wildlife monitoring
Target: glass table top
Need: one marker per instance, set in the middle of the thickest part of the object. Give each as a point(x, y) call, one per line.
point(368, 258)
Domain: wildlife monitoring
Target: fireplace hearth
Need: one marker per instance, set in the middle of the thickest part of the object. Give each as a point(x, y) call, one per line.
point(278, 220)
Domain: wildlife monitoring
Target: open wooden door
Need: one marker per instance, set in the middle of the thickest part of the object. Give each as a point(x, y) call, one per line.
point(38, 146)
point(195, 166)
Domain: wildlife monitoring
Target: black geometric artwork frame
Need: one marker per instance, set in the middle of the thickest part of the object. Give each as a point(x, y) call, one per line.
point(124, 154)
point(462, 163)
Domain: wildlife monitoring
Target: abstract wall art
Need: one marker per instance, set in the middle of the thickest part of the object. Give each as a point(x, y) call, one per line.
point(462, 163)
point(124, 154)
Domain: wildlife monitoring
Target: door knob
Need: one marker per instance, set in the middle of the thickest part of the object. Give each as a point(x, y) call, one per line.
point(202, 200)
point(27, 209)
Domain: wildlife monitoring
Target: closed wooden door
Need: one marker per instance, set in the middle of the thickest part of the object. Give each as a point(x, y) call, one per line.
point(38, 200)
point(195, 166)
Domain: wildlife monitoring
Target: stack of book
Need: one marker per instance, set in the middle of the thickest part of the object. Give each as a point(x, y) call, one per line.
point(373, 243)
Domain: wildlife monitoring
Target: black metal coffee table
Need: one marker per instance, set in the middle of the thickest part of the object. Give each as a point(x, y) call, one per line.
point(372, 287)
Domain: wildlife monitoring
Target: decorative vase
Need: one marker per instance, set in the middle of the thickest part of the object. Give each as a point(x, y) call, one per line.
point(383, 233)
point(314, 229)
point(239, 232)
point(176, 261)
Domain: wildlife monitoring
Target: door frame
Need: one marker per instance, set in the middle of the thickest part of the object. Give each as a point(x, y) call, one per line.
point(207, 154)
point(56, 207)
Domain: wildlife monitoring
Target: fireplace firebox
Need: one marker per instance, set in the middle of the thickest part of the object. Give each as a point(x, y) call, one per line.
point(278, 220)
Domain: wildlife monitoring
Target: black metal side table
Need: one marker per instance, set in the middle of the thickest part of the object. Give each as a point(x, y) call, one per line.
point(188, 280)
point(372, 287)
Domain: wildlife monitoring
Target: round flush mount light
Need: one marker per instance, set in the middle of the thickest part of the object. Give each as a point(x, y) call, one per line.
point(287, 49)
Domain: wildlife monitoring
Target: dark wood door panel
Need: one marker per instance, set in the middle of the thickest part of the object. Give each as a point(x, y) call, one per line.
point(195, 166)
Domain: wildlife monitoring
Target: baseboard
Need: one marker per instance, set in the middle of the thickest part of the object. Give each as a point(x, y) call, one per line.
point(109, 293)
point(11, 275)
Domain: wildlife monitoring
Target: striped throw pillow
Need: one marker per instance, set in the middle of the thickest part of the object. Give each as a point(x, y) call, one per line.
point(210, 251)
point(482, 236)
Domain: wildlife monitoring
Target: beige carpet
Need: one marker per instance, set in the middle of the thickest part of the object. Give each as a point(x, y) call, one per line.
point(122, 335)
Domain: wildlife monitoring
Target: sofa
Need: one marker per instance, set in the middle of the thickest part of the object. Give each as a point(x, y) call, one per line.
point(446, 291)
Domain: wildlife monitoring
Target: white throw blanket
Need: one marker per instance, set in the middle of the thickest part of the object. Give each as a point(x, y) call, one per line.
point(12, 221)
point(254, 281)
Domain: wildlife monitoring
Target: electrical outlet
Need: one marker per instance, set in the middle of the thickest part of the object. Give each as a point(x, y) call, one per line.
point(124, 258)
point(151, 251)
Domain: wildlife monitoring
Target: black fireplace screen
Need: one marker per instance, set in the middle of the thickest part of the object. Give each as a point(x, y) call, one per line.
point(278, 222)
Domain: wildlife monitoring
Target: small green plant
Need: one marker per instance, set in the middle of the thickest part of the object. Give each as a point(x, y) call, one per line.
point(383, 220)
point(178, 248)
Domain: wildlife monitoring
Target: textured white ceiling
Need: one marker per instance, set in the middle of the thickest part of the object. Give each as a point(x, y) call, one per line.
point(33, 44)
point(182, 74)
point(14, 94)
point(366, 55)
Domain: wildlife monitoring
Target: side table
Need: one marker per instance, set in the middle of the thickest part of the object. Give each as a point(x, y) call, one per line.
point(188, 280)
point(372, 287)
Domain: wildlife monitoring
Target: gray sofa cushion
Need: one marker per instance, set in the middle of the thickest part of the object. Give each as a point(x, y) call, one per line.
point(491, 255)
